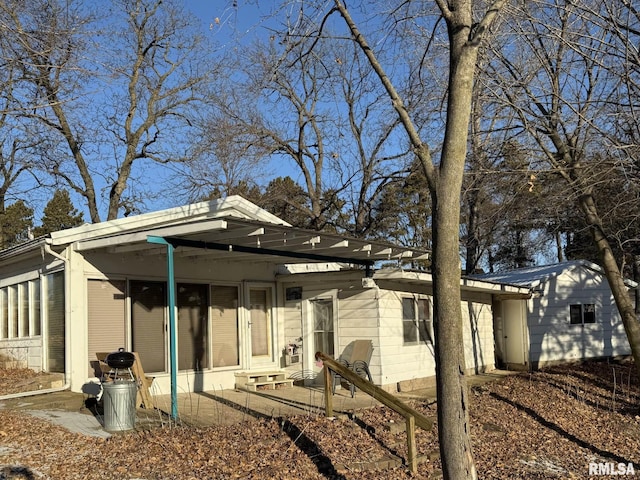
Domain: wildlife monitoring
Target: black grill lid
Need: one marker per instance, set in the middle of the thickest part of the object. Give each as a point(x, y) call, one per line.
point(120, 359)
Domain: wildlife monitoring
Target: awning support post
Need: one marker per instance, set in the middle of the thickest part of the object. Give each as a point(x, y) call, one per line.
point(173, 338)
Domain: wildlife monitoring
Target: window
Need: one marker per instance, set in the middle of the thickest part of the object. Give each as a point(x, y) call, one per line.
point(106, 324)
point(55, 312)
point(579, 314)
point(193, 336)
point(148, 300)
point(20, 315)
point(23, 300)
point(417, 326)
point(36, 319)
point(323, 326)
point(4, 313)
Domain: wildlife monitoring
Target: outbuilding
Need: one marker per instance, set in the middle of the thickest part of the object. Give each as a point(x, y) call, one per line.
point(571, 316)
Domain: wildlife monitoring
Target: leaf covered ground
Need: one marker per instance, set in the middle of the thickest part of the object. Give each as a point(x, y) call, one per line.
point(549, 424)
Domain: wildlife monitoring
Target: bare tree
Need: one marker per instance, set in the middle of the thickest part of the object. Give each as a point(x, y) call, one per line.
point(311, 108)
point(128, 86)
point(17, 146)
point(465, 35)
point(555, 74)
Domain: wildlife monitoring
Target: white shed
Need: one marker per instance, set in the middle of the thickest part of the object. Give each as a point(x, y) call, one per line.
point(571, 316)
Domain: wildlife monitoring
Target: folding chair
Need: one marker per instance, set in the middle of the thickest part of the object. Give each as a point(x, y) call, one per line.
point(356, 357)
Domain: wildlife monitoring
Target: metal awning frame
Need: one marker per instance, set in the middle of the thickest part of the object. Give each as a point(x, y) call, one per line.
point(172, 242)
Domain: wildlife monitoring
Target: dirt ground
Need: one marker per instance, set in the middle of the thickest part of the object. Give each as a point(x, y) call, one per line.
point(549, 424)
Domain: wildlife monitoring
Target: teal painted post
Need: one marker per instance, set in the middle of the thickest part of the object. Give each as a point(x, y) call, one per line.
point(173, 338)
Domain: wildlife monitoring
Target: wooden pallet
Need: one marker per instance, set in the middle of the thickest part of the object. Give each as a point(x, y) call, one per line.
point(270, 380)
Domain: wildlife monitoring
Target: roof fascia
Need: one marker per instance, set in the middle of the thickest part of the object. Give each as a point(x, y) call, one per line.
point(138, 237)
point(465, 283)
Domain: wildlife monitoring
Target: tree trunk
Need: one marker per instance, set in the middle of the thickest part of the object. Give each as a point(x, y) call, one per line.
point(636, 278)
point(452, 392)
point(612, 272)
point(445, 185)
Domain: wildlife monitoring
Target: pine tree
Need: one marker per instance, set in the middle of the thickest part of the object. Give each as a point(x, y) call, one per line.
point(59, 214)
point(16, 222)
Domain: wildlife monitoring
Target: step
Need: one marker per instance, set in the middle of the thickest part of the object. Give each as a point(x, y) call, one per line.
point(271, 379)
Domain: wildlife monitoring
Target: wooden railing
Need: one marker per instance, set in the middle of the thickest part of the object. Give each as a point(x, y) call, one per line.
point(411, 416)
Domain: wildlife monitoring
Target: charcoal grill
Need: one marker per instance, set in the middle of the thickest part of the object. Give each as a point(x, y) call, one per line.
point(120, 363)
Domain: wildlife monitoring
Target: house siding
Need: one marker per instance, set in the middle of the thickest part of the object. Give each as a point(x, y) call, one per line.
point(553, 339)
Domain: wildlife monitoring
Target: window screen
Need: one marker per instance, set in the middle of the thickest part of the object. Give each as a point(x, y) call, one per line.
point(224, 326)
point(55, 322)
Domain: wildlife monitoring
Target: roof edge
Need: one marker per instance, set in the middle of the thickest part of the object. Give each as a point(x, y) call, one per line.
point(227, 206)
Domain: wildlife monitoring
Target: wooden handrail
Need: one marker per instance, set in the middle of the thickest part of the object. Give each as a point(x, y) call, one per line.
point(373, 390)
point(412, 417)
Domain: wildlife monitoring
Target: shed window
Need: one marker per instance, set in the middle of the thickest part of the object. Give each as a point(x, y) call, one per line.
point(417, 326)
point(579, 314)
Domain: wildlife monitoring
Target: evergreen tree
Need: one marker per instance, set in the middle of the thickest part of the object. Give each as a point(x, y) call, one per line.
point(16, 222)
point(59, 214)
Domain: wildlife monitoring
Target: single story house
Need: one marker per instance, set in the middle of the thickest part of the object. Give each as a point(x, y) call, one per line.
point(207, 291)
point(570, 316)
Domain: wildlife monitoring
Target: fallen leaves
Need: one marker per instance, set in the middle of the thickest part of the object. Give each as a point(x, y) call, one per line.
point(549, 424)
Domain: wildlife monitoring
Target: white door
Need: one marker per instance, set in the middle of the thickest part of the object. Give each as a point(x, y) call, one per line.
point(319, 334)
point(260, 329)
point(514, 331)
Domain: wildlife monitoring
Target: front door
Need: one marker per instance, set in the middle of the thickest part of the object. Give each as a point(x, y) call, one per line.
point(260, 327)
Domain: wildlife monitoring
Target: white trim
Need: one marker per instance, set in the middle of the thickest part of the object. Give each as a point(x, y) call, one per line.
point(138, 237)
point(233, 206)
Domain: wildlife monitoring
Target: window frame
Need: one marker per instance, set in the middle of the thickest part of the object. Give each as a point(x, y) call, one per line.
point(582, 314)
point(421, 321)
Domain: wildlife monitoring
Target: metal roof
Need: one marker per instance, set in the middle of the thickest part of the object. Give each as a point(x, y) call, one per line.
point(531, 277)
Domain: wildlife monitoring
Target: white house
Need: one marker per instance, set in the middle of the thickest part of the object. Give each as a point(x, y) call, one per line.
point(571, 316)
point(226, 269)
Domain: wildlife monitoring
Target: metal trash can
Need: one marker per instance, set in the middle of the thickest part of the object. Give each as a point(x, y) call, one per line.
point(119, 402)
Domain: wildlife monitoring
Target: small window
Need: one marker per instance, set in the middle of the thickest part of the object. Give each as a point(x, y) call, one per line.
point(293, 293)
point(417, 326)
point(579, 314)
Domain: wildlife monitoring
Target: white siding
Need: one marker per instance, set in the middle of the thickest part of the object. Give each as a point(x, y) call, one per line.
point(400, 362)
point(554, 339)
point(477, 322)
point(358, 320)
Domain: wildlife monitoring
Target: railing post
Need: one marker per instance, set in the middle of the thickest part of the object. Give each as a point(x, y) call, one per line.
point(328, 392)
point(412, 455)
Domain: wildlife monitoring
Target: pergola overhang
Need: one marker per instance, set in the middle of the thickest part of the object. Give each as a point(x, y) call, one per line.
point(237, 239)
point(245, 239)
